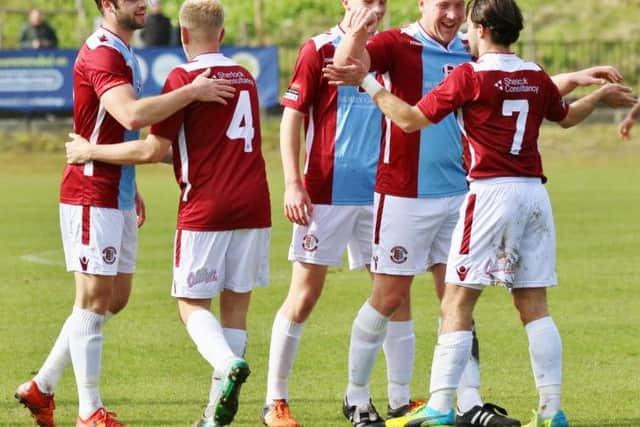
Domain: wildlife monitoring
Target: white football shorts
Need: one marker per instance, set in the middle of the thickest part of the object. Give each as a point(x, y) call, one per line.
point(505, 235)
point(207, 262)
point(332, 229)
point(411, 234)
point(100, 241)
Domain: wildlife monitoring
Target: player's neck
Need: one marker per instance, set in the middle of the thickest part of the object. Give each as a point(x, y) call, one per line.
point(485, 48)
point(124, 34)
point(195, 50)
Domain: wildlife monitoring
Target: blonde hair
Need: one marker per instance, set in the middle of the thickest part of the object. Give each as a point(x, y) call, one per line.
point(202, 17)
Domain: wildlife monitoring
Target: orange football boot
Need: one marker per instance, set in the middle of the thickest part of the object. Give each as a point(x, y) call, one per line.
point(277, 414)
point(40, 404)
point(100, 418)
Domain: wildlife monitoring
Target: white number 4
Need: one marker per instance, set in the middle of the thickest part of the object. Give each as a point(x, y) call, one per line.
point(520, 106)
point(241, 126)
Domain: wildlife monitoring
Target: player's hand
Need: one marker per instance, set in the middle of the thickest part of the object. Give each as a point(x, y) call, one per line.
point(78, 149)
point(351, 74)
point(625, 127)
point(211, 89)
point(598, 75)
point(141, 210)
point(362, 20)
point(297, 204)
point(617, 96)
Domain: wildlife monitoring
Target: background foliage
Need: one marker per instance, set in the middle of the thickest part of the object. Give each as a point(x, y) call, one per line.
point(290, 22)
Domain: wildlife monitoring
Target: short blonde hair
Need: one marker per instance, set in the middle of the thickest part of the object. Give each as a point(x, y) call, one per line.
point(204, 17)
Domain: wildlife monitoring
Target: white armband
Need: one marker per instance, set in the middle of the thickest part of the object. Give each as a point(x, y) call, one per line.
point(371, 85)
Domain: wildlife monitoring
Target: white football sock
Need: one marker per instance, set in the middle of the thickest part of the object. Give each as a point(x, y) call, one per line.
point(399, 352)
point(367, 334)
point(545, 350)
point(468, 388)
point(206, 333)
point(449, 360)
point(285, 340)
point(85, 347)
point(468, 391)
point(237, 340)
point(48, 376)
point(53, 367)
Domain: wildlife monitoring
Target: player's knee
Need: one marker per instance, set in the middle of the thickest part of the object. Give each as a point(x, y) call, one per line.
point(530, 310)
point(117, 307)
point(389, 305)
point(298, 307)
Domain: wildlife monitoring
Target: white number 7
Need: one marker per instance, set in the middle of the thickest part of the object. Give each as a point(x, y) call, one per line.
point(241, 126)
point(520, 106)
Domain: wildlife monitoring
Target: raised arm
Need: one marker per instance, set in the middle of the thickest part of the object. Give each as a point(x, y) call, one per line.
point(150, 150)
point(612, 94)
point(133, 113)
point(361, 23)
point(297, 204)
point(407, 117)
point(599, 75)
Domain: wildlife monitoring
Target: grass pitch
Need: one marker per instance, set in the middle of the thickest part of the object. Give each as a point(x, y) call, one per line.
point(153, 375)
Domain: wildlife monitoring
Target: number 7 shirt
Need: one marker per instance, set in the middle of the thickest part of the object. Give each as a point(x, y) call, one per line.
point(217, 155)
point(503, 101)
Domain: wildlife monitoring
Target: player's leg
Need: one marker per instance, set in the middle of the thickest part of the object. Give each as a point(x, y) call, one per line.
point(233, 318)
point(199, 275)
point(396, 257)
point(545, 351)
point(399, 352)
point(368, 332)
point(313, 248)
point(59, 358)
point(537, 271)
point(125, 261)
point(449, 360)
point(206, 332)
point(468, 392)
point(307, 282)
point(93, 297)
point(97, 236)
point(399, 343)
point(436, 220)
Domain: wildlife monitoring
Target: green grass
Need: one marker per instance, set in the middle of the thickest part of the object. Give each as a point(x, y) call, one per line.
point(153, 376)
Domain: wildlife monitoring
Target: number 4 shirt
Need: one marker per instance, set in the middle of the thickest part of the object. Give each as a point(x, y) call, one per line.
point(217, 155)
point(503, 101)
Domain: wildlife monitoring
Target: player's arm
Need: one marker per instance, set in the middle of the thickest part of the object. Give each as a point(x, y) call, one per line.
point(150, 150)
point(599, 75)
point(407, 117)
point(120, 101)
point(612, 94)
point(627, 123)
point(297, 204)
point(362, 22)
point(141, 209)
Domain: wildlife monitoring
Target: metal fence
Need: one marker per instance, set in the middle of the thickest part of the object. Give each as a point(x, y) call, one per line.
point(555, 56)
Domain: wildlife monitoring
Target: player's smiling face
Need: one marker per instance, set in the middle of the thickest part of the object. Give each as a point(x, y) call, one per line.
point(442, 18)
point(379, 6)
point(131, 14)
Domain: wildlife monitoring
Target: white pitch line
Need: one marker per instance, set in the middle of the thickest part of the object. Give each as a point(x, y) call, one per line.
point(44, 257)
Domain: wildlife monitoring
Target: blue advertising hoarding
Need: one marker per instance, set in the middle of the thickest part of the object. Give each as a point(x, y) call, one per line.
point(42, 80)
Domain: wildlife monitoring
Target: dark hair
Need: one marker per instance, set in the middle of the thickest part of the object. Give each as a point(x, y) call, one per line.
point(502, 18)
point(99, 5)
